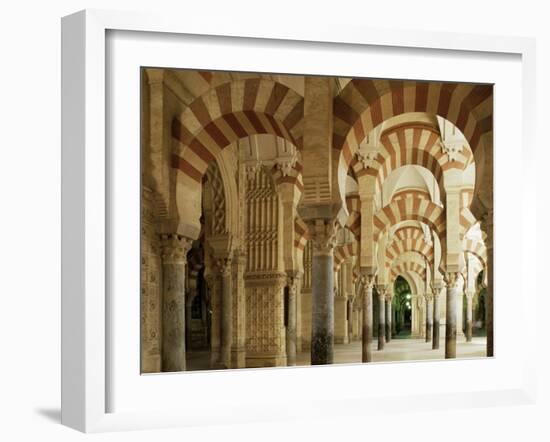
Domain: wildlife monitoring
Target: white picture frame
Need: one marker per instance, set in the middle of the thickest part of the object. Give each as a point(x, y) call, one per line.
point(87, 356)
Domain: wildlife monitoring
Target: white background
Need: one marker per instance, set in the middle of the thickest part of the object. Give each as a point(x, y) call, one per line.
point(30, 218)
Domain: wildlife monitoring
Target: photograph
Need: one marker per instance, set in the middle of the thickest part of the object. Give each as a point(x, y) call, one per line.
point(296, 220)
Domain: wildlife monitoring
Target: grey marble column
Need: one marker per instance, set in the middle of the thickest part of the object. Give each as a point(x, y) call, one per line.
point(469, 319)
point(429, 317)
point(388, 318)
point(381, 319)
point(226, 323)
point(451, 315)
point(487, 226)
point(174, 261)
point(292, 284)
point(367, 283)
point(436, 317)
point(322, 307)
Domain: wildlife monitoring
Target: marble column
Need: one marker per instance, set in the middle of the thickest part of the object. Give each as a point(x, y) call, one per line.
point(451, 280)
point(381, 317)
point(487, 226)
point(226, 323)
point(459, 314)
point(436, 316)
point(322, 308)
point(469, 316)
point(367, 283)
point(349, 316)
point(174, 261)
point(388, 318)
point(429, 316)
point(292, 285)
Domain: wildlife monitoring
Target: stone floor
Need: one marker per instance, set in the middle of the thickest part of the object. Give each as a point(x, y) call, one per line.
point(396, 350)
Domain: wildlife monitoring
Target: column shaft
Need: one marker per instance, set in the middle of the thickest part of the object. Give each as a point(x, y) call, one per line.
point(451, 316)
point(226, 331)
point(322, 309)
point(429, 318)
point(388, 319)
point(174, 255)
point(367, 321)
point(381, 321)
point(435, 340)
point(469, 323)
point(292, 284)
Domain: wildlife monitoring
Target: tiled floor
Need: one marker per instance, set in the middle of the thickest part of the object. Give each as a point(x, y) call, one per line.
point(396, 350)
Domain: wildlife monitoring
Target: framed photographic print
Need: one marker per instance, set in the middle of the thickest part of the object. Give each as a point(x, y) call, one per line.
point(265, 219)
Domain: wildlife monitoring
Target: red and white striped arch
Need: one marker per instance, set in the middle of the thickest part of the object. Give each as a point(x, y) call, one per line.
point(232, 111)
point(411, 144)
point(408, 267)
point(364, 104)
point(344, 251)
point(410, 207)
point(477, 248)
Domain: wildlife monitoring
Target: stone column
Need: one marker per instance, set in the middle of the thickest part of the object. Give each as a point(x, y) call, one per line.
point(292, 284)
point(469, 319)
point(487, 226)
point(299, 314)
point(436, 315)
point(226, 330)
point(381, 317)
point(451, 280)
point(388, 318)
point(459, 314)
point(367, 283)
point(322, 308)
point(429, 316)
point(174, 261)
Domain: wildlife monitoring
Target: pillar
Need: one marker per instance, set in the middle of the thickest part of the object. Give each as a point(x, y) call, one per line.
point(451, 280)
point(340, 319)
point(487, 226)
point(469, 315)
point(367, 282)
point(381, 317)
point(429, 316)
point(459, 314)
point(436, 316)
point(226, 323)
point(292, 285)
point(322, 308)
point(174, 260)
point(388, 318)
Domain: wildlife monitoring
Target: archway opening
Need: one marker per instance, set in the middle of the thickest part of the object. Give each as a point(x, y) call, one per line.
point(402, 308)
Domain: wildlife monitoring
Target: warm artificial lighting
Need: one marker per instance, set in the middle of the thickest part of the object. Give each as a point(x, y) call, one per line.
point(408, 296)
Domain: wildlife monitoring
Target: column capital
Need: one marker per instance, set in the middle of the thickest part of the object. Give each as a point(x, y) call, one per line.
point(224, 264)
point(323, 236)
point(428, 297)
point(436, 287)
point(451, 279)
point(175, 248)
point(367, 279)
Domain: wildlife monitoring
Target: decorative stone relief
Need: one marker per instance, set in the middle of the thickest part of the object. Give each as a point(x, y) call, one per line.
point(452, 149)
point(175, 248)
point(367, 157)
point(323, 235)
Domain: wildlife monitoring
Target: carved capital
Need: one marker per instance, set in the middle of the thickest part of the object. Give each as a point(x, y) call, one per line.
point(452, 149)
point(436, 287)
point(323, 236)
point(367, 280)
point(367, 157)
point(224, 265)
point(451, 279)
point(428, 297)
point(286, 164)
point(293, 281)
point(174, 248)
